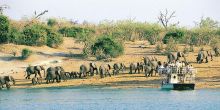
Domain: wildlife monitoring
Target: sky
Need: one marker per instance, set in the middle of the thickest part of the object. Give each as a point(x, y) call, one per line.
point(187, 11)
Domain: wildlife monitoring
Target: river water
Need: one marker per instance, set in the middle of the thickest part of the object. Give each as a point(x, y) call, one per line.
point(90, 98)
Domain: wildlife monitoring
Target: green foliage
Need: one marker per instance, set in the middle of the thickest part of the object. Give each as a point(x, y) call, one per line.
point(108, 45)
point(34, 35)
point(4, 29)
point(176, 34)
point(130, 30)
point(74, 31)
point(54, 39)
point(15, 35)
point(25, 53)
point(51, 22)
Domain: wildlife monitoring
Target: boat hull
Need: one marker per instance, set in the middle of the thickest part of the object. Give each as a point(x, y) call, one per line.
point(178, 86)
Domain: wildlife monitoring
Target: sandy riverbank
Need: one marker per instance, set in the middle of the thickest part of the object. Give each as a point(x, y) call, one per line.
point(208, 75)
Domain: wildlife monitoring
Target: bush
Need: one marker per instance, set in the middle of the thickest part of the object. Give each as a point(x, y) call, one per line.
point(215, 43)
point(15, 35)
point(186, 50)
point(51, 22)
point(176, 34)
point(34, 35)
point(108, 45)
point(171, 46)
point(159, 48)
point(74, 31)
point(54, 39)
point(25, 53)
point(4, 29)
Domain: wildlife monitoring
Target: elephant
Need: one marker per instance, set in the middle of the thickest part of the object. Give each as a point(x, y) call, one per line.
point(203, 55)
point(154, 66)
point(93, 68)
point(55, 73)
point(5, 80)
point(118, 67)
point(171, 58)
point(217, 51)
point(73, 74)
point(104, 70)
point(148, 70)
point(83, 71)
point(135, 67)
point(179, 55)
point(36, 80)
point(62, 74)
point(34, 70)
point(146, 60)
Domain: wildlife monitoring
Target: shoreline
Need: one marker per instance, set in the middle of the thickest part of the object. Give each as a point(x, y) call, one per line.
point(120, 81)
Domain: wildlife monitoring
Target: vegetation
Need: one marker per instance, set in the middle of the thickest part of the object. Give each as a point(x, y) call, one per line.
point(171, 46)
point(51, 22)
point(106, 45)
point(4, 29)
point(106, 39)
point(25, 53)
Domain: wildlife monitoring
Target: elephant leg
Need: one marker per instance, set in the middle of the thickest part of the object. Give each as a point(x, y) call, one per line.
point(96, 71)
point(206, 59)
point(7, 85)
point(109, 73)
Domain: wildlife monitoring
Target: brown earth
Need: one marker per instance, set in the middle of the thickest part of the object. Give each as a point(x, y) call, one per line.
point(69, 56)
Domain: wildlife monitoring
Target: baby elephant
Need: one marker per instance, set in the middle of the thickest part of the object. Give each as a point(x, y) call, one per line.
point(36, 80)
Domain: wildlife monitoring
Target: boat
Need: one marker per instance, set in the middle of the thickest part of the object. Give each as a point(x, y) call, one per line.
point(182, 78)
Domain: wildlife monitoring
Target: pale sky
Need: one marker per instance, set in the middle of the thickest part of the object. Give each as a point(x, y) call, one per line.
point(187, 11)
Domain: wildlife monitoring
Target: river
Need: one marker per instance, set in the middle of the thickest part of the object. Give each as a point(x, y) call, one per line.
point(94, 98)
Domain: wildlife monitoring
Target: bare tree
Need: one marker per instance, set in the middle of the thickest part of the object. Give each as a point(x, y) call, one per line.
point(36, 16)
point(164, 18)
point(2, 8)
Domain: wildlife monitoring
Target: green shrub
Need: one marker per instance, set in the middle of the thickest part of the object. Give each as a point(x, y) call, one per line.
point(51, 22)
point(108, 45)
point(54, 39)
point(15, 35)
point(25, 53)
point(74, 31)
point(100, 54)
point(176, 34)
point(4, 29)
point(34, 35)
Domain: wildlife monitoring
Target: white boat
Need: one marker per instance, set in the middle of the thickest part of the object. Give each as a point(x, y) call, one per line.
point(179, 79)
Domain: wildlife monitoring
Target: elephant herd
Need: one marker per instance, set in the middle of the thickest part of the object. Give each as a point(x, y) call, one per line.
point(148, 66)
point(58, 73)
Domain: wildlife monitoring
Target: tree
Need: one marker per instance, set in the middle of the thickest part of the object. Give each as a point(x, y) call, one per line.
point(164, 18)
point(207, 23)
point(2, 8)
point(4, 29)
point(51, 22)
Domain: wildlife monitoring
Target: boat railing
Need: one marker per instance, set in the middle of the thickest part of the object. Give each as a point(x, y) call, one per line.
point(185, 74)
